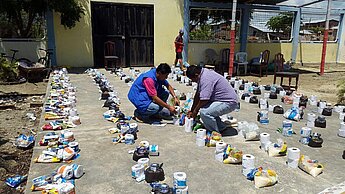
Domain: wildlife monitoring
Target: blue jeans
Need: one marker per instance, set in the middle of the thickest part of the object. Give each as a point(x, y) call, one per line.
point(153, 107)
point(210, 115)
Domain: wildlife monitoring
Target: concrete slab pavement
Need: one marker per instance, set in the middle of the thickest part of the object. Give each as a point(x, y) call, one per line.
point(108, 166)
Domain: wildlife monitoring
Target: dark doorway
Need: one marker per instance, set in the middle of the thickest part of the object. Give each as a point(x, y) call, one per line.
point(129, 26)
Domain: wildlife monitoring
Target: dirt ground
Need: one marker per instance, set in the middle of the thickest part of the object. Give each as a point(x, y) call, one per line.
point(310, 83)
point(13, 121)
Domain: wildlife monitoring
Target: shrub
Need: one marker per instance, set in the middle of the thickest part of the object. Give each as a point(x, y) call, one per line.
point(8, 70)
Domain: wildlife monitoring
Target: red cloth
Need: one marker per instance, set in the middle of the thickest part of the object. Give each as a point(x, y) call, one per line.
point(179, 44)
point(149, 84)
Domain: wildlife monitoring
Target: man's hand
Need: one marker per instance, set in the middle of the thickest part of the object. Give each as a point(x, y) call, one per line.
point(176, 101)
point(172, 109)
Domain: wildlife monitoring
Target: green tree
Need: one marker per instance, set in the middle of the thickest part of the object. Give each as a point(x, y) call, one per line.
point(281, 23)
point(23, 15)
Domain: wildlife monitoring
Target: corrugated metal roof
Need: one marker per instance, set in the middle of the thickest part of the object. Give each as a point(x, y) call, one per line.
point(267, 2)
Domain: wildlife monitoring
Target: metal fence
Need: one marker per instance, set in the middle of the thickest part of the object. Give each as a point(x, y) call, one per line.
point(207, 25)
point(313, 26)
point(270, 26)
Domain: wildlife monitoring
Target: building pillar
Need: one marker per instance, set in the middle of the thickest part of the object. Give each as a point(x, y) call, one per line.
point(186, 18)
point(341, 40)
point(244, 28)
point(51, 36)
point(295, 35)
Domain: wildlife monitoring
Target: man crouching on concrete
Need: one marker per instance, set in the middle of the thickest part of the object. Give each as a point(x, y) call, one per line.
point(148, 95)
point(214, 97)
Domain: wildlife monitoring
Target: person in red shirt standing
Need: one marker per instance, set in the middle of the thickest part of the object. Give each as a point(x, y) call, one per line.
point(179, 48)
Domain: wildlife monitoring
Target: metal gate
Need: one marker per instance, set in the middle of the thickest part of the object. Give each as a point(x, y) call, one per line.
point(129, 26)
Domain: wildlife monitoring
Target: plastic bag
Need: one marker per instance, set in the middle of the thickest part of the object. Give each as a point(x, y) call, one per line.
point(312, 167)
point(265, 178)
point(24, 141)
point(15, 181)
point(292, 114)
point(250, 131)
point(232, 155)
point(277, 149)
point(212, 138)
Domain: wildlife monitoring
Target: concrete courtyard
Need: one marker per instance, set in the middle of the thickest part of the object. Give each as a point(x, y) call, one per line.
point(108, 167)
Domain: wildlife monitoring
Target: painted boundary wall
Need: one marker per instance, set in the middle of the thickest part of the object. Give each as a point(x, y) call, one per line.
point(28, 48)
point(311, 52)
point(74, 46)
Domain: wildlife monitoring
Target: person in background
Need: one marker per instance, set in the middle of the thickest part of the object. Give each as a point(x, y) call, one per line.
point(148, 95)
point(214, 97)
point(178, 49)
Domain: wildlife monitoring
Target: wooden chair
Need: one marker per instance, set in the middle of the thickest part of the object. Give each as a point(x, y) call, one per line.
point(224, 64)
point(262, 64)
point(241, 60)
point(210, 59)
point(279, 72)
point(110, 58)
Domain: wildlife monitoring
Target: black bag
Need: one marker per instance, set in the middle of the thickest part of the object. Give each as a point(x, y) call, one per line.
point(104, 88)
point(244, 96)
point(140, 152)
point(232, 83)
point(256, 91)
point(288, 92)
point(120, 115)
point(278, 110)
point(114, 106)
point(302, 103)
point(303, 99)
point(161, 189)
point(178, 78)
point(154, 173)
point(315, 141)
point(105, 95)
point(278, 89)
point(108, 102)
point(241, 87)
point(253, 100)
point(273, 95)
point(320, 121)
point(267, 87)
point(183, 96)
point(327, 112)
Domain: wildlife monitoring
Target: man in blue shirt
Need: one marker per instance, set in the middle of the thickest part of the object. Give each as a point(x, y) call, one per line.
point(148, 95)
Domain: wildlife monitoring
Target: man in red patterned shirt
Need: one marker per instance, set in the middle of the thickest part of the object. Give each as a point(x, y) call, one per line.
point(179, 48)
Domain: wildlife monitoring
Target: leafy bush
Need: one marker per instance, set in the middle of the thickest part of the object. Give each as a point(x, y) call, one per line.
point(8, 70)
point(341, 91)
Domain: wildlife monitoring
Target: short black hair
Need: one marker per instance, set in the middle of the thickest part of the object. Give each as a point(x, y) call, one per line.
point(192, 71)
point(163, 68)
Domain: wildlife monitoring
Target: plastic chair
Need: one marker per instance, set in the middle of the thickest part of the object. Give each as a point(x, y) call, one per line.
point(241, 60)
point(263, 63)
point(280, 72)
point(110, 58)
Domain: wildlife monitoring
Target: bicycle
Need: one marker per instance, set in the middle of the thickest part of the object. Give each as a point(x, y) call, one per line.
point(4, 55)
point(45, 60)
